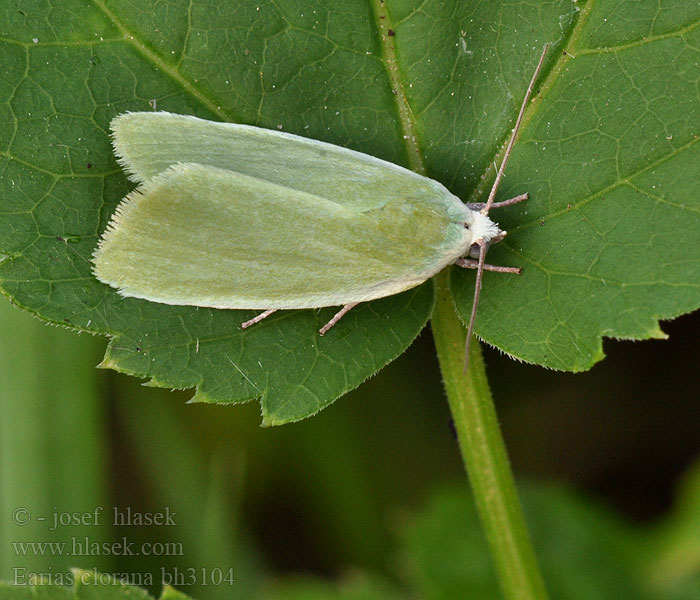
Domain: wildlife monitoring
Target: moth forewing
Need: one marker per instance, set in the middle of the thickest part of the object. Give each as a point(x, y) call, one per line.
point(206, 236)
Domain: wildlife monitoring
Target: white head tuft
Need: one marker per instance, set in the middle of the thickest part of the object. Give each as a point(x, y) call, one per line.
point(484, 232)
point(484, 229)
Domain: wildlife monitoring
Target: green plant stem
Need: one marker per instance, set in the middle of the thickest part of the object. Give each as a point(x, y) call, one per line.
point(484, 454)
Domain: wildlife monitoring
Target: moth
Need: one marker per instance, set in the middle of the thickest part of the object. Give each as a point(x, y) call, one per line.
point(232, 216)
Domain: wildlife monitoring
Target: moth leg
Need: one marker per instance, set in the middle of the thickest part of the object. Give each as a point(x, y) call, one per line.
point(260, 317)
point(509, 202)
point(339, 315)
point(468, 263)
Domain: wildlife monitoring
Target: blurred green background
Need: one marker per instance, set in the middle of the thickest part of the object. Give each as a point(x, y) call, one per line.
point(369, 493)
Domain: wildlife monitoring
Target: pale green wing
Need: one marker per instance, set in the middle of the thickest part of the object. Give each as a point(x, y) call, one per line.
point(147, 143)
point(204, 236)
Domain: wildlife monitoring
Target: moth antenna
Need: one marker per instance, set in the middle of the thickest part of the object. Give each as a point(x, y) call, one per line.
point(499, 175)
point(475, 304)
point(489, 202)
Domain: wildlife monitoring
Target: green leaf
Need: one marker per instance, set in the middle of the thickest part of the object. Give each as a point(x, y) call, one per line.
point(586, 552)
point(355, 586)
point(672, 561)
point(84, 585)
point(608, 241)
point(431, 85)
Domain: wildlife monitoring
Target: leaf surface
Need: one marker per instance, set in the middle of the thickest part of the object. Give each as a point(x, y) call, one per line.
point(84, 585)
point(608, 241)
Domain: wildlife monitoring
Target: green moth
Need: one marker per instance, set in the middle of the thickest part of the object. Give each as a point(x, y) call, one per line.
point(232, 216)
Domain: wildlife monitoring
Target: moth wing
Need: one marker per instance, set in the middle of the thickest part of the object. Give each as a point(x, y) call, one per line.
point(147, 143)
point(205, 236)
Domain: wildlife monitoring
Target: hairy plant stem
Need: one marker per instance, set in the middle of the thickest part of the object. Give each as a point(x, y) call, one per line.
point(484, 453)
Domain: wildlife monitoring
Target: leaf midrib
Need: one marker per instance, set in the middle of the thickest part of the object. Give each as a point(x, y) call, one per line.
point(384, 24)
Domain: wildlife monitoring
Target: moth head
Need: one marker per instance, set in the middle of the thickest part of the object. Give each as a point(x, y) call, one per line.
point(484, 233)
